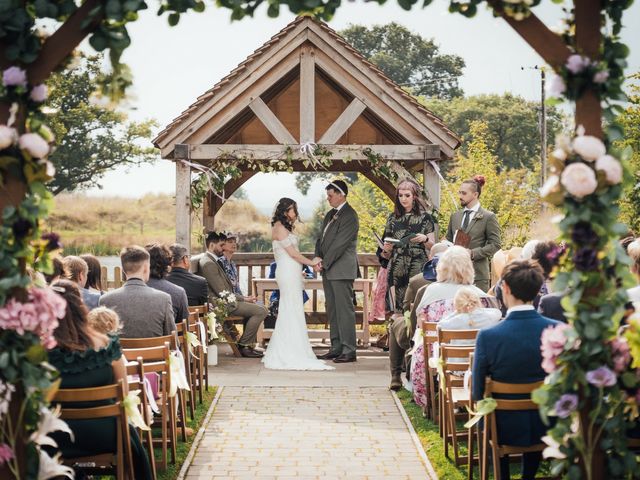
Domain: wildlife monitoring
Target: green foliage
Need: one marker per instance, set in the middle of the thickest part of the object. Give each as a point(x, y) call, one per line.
point(513, 132)
point(630, 121)
point(408, 59)
point(510, 194)
point(373, 208)
point(92, 138)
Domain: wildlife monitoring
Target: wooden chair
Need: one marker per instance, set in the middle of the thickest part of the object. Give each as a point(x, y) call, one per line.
point(156, 359)
point(135, 373)
point(490, 431)
point(200, 314)
point(181, 328)
point(119, 464)
point(429, 332)
point(473, 434)
point(198, 364)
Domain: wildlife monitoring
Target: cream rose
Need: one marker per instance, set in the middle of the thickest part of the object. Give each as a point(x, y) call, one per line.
point(8, 136)
point(34, 144)
point(588, 147)
point(579, 180)
point(611, 167)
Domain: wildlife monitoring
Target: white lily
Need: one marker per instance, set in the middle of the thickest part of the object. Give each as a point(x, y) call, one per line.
point(51, 468)
point(553, 448)
point(49, 422)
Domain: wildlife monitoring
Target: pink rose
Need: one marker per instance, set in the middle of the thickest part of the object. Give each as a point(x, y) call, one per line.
point(14, 77)
point(579, 180)
point(621, 354)
point(588, 147)
point(556, 86)
point(552, 342)
point(34, 144)
point(611, 167)
point(577, 63)
point(6, 453)
point(8, 136)
point(601, 76)
point(39, 93)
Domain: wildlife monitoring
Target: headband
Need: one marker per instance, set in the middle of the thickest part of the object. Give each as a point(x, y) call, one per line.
point(59, 289)
point(331, 184)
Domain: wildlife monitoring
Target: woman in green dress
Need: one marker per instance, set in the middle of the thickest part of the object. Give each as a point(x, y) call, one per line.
point(86, 358)
point(413, 227)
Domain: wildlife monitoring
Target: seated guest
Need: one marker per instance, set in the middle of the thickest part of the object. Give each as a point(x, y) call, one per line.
point(231, 269)
point(160, 260)
point(510, 352)
point(194, 286)
point(76, 270)
point(104, 320)
point(58, 270)
point(550, 306)
point(210, 266)
point(87, 358)
point(469, 313)
point(144, 311)
point(454, 271)
point(94, 282)
point(399, 335)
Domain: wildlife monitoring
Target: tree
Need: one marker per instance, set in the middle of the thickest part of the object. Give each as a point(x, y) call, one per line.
point(92, 138)
point(513, 133)
point(408, 59)
point(511, 194)
point(630, 121)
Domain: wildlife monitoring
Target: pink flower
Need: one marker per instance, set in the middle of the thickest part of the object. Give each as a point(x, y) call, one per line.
point(602, 377)
point(14, 77)
point(621, 354)
point(579, 180)
point(6, 453)
point(611, 167)
point(590, 148)
point(577, 63)
point(552, 343)
point(8, 136)
point(34, 144)
point(556, 86)
point(39, 93)
point(601, 76)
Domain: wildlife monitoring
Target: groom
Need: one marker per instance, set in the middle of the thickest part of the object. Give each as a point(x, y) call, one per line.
point(336, 248)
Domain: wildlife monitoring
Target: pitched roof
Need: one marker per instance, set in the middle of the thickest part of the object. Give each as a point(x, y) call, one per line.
point(182, 120)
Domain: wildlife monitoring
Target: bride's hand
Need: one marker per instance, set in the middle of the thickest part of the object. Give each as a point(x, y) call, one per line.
point(315, 261)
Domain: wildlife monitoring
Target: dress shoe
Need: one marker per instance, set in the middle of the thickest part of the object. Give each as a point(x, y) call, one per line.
point(249, 352)
point(328, 356)
point(344, 359)
point(396, 383)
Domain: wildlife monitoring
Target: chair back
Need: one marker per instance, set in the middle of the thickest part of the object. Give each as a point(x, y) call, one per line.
point(448, 336)
point(201, 310)
point(455, 358)
point(147, 342)
point(492, 386)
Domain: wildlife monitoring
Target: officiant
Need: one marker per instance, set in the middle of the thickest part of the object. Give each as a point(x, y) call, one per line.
point(475, 229)
point(408, 235)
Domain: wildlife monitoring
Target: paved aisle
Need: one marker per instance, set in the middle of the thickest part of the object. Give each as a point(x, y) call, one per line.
point(287, 432)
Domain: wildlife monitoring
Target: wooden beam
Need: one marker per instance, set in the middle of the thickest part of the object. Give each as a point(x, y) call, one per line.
point(340, 152)
point(385, 185)
point(343, 122)
point(431, 184)
point(230, 188)
point(183, 204)
point(307, 95)
point(271, 122)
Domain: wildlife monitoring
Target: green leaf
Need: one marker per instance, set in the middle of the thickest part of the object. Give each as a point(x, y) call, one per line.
point(173, 19)
point(36, 354)
point(98, 41)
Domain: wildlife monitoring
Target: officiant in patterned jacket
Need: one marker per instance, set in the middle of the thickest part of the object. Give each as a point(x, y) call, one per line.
point(413, 226)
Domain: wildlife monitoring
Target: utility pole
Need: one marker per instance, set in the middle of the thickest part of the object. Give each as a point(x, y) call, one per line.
point(542, 123)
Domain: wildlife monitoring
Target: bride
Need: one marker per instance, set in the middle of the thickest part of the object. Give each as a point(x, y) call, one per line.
point(289, 347)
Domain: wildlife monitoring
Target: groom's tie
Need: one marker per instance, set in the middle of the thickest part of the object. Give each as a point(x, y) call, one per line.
point(332, 214)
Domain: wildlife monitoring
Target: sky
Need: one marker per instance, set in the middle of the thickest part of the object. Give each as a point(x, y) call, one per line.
point(173, 66)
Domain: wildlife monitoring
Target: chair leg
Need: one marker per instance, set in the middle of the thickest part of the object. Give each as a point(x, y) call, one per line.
point(173, 429)
point(183, 415)
point(470, 456)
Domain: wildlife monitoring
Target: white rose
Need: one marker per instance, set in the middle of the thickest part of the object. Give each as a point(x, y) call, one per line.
point(8, 136)
point(34, 144)
point(579, 180)
point(611, 167)
point(552, 185)
point(560, 154)
point(590, 148)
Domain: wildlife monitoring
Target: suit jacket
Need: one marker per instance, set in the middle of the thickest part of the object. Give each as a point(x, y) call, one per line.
point(179, 301)
point(550, 306)
point(143, 311)
point(485, 238)
point(194, 286)
point(90, 298)
point(214, 274)
point(510, 352)
point(337, 247)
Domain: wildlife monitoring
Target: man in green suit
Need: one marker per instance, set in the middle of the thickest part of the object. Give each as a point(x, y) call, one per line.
point(336, 248)
point(481, 228)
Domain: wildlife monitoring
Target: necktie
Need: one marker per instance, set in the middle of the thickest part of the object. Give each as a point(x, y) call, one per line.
point(332, 216)
point(465, 220)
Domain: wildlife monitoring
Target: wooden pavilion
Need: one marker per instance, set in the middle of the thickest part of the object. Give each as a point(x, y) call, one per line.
point(305, 87)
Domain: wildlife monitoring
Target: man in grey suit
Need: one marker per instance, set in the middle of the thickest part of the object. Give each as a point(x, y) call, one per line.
point(210, 267)
point(143, 311)
point(336, 248)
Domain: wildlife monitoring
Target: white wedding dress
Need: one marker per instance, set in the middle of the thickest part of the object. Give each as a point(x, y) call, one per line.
point(289, 347)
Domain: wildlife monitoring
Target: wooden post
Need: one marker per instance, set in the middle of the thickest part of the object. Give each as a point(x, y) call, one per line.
point(183, 204)
point(432, 188)
point(307, 96)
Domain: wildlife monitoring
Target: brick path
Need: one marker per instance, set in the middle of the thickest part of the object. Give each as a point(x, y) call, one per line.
point(306, 433)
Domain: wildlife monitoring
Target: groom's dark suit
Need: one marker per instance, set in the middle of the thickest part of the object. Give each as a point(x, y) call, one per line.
point(337, 248)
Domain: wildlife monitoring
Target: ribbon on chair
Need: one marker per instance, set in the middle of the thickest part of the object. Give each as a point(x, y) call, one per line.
point(438, 364)
point(178, 374)
point(192, 341)
point(150, 396)
point(131, 403)
point(203, 333)
point(483, 408)
point(212, 323)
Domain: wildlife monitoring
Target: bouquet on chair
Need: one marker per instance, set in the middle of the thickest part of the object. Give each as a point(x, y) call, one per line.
point(219, 309)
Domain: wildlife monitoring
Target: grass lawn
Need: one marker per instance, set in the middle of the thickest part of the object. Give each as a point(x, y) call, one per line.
point(182, 448)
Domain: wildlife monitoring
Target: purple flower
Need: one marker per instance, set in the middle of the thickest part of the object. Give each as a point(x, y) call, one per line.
point(566, 404)
point(14, 77)
point(53, 240)
point(602, 377)
point(21, 228)
point(39, 93)
point(583, 234)
point(555, 253)
point(577, 63)
point(586, 259)
point(601, 76)
point(6, 453)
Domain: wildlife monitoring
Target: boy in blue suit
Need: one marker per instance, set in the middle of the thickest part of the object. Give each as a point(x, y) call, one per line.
point(510, 353)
